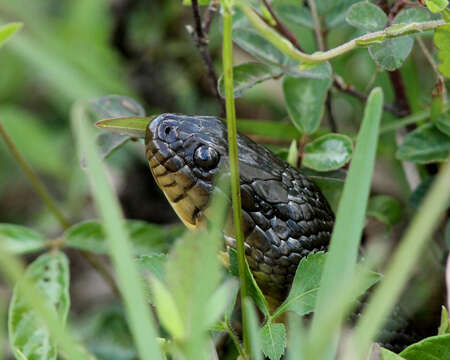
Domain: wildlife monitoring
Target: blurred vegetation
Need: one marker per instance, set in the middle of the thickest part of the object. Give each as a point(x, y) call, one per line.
point(72, 51)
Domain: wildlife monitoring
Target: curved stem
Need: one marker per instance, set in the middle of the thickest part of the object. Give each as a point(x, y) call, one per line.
point(32, 176)
point(286, 47)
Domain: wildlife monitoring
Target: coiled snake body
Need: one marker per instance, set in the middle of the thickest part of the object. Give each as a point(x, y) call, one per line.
point(285, 216)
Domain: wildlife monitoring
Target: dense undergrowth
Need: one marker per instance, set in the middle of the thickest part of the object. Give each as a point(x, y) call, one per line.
point(353, 93)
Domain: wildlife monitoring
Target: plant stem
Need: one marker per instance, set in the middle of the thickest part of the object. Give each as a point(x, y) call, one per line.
point(201, 41)
point(283, 29)
point(236, 342)
point(32, 176)
point(340, 85)
point(403, 260)
point(433, 66)
point(286, 46)
point(317, 27)
point(233, 154)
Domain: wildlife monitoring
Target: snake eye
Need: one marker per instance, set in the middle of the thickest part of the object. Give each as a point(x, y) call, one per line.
point(206, 157)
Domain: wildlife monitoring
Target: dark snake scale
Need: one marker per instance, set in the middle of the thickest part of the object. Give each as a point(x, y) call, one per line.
point(285, 216)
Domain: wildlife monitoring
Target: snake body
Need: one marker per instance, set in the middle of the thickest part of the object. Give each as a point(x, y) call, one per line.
point(285, 216)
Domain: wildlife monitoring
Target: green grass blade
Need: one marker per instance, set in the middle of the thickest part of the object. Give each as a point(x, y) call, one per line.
point(342, 256)
point(139, 315)
point(403, 260)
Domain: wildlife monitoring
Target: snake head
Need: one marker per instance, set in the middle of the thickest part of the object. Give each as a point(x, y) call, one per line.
point(185, 154)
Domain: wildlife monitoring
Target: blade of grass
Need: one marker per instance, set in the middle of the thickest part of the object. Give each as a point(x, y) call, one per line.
point(403, 260)
point(343, 251)
point(13, 270)
point(139, 315)
point(233, 153)
point(253, 330)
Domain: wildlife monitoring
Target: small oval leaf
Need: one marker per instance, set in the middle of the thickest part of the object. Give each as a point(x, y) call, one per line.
point(28, 337)
point(246, 76)
point(425, 144)
point(367, 17)
point(8, 30)
point(384, 208)
point(328, 152)
point(305, 100)
point(20, 240)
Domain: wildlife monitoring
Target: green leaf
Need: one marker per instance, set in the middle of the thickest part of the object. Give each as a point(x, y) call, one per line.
point(29, 338)
point(252, 287)
point(431, 348)
point(442, 41)
point(384, 208)
point(436, 5)
point(366, 16)
point(106, 334)
point(295, 14)
point(447, 234)
point(443, 123)
point(130, 126)
point(20, 240)
point(419, 193)
point(272, 129)
point(166, 307)
point(389, 355)
point(305, 100)
point(292, 157)
point(444, 327)
point(200, 2)
point(246, 76)
point(116, 106)
point(153, 263)
point(423, 145)
point(273, 339)
point(410, 15)
point(193, 274)
point(328, 152)
point(8, 30)
point(316, 71)
point(303, 293)
point(391, 53)
point(89, 235)
point(220, 301)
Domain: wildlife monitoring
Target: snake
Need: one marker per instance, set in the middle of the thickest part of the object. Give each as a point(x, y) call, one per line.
point(285, 216)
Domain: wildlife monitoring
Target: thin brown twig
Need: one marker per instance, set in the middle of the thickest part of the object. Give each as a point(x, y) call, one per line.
point(95, 262)
point(209, 15)
point(433, 66)
point(282, 29)
point(317, 25)
point(201, 42)
point(340, 85)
